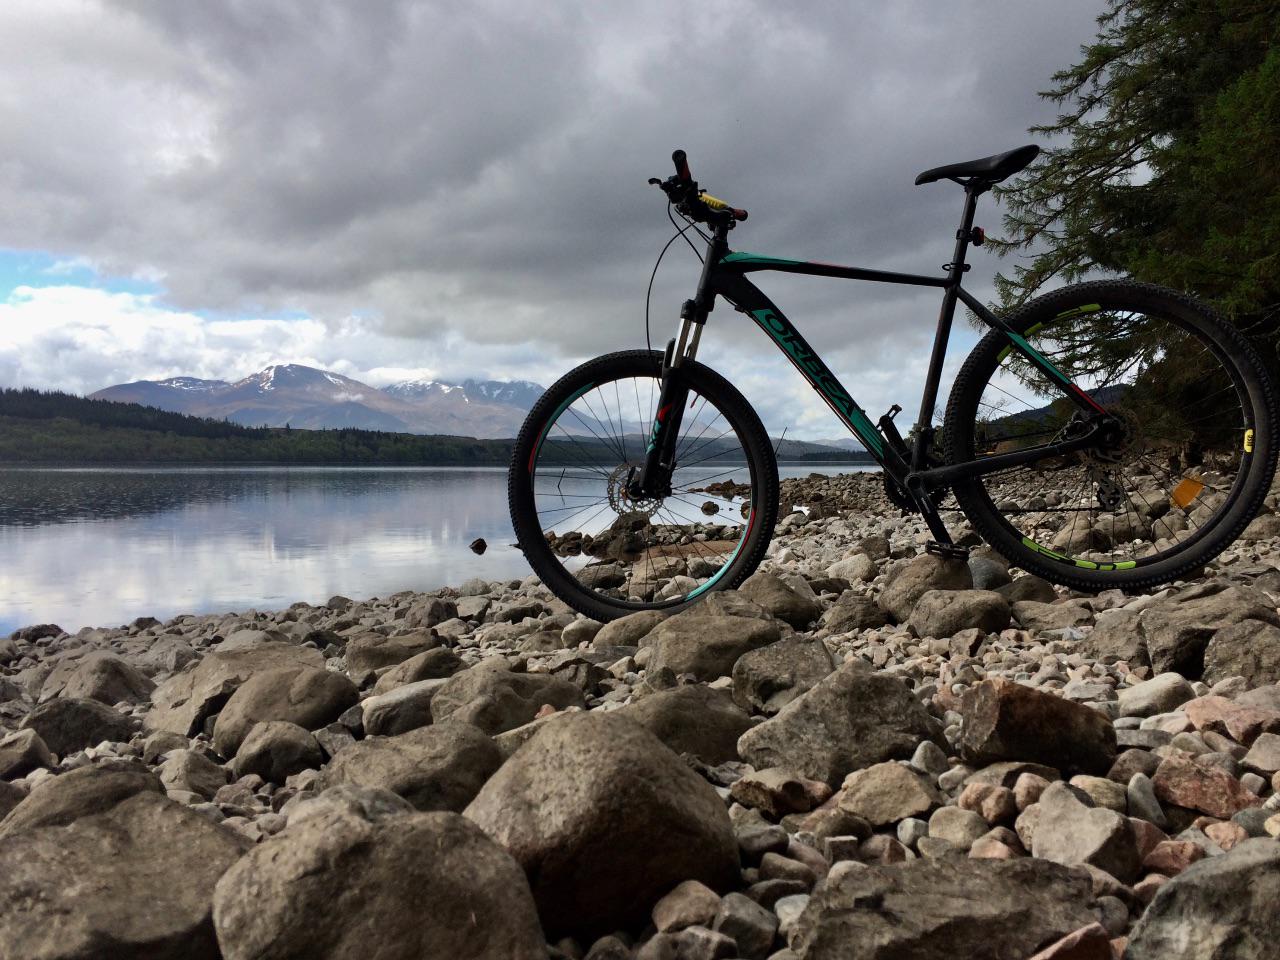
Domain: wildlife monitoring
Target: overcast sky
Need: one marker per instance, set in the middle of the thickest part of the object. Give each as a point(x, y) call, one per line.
point(404, 189)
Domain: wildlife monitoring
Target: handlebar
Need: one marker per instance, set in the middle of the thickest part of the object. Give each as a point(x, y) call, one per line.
point(694, 203)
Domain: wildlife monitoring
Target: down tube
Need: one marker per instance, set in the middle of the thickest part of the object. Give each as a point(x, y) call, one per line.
point(748, 298)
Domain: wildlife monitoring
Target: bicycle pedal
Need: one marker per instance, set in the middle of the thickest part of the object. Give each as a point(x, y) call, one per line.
point(951, 551)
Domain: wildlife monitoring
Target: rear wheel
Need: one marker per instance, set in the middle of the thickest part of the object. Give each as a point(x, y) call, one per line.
point(606, 553)
point(1187, 465)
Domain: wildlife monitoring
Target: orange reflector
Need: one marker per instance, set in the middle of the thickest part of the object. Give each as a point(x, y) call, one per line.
point(1186, 491)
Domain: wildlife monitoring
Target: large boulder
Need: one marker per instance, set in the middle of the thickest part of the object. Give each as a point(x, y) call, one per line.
point(21, 752)
point(305, 696)
point(371, 652)
point(1249, 649)
point(428, 665)
point(850, 720)
point(942, 613)
point(494, 698)
point(275, 750)
point(926, 572)
point(1220, 908)
point(1073, 832)
point(693, 719)
point(401, 709)
point(853, 612)
point(58, 801)
point(67, 725)
point(768, 678)
point(1117, 635)
point(628, 631)
point(441, 767)
point(605, 820)
point(135, 881)
point(100, 676)
point(1178, 630)
point(780, 599)
point(385, 885)
point(943, 909)
point(1003, 720)
point(182, 703)
point(707, 646)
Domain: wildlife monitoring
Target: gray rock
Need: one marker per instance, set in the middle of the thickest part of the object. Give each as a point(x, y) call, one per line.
point(1141, 801)
point(111, 885)
point(441, 767)
point(402, 708)
point(1070, 832)
point(428, 665)
point(1003, 720)
point(103, 677)
point(781, 600)
point(10, 796)
point(420, 886)
point(692, 719)
point(958, 827)
point(690, 904)
point(853, 612)
point(1028, 587)
point(67, 725)
point(304, 696)
point(850, 720)
point(707, 646)
point(367, 803)
point(492, 697)
point(988, 570)
point(183, 703)
point(430, 611)
point(593, 791)
point(885, 793)
point(928, 910)
point(58, 801)
point(370, 652)
point(1264, 755)
point(1117, 635)
point(1249, 649)
point(1178, 630)
point(941, 613)
point(628, 631)
point(22, 752)
point(1038, 617)
point(767, 679)
point(276, 750)
point(1221, 908)
point(858, 567)
point(751, 926)
point(1160, 694)
point(926, 572)
point(193, 772)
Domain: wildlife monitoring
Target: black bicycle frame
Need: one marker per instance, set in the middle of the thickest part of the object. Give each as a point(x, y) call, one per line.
point(724, 274)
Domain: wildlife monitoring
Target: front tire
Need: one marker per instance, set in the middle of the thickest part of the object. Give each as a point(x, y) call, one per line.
point(607, 555)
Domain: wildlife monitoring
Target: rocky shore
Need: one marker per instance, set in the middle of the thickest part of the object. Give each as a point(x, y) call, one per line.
point(865, 752)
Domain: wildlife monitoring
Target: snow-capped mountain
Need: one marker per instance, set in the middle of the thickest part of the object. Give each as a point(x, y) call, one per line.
point(305, 397)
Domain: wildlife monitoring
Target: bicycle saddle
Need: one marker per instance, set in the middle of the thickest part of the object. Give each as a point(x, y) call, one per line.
point(991, 169)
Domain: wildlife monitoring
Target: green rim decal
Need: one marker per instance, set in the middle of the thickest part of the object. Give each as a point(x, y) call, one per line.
point(758, 259)
point(1076, 311)
point(1086, 564)
point(533, 457)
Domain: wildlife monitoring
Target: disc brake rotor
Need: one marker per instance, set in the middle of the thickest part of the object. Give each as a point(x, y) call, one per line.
point(621, 502)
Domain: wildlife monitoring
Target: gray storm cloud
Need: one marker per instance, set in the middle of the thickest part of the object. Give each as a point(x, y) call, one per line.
point(475, 173)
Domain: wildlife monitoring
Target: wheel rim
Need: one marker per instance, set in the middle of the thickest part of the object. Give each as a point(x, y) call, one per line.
point(1170, 464)
point(647, 553)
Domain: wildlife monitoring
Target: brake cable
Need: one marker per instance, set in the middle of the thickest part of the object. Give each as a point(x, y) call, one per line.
point(680, 232)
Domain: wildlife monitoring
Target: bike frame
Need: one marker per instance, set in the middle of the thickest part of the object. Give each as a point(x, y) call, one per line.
point(724, 274)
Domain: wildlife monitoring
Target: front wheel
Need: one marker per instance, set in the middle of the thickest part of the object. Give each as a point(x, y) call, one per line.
point(601, 550)
point(1184, 464)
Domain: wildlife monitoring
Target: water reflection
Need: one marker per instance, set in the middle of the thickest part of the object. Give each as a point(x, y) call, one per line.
point(101, 546)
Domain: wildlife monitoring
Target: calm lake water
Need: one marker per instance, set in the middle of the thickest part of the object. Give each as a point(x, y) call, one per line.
point(101, 546)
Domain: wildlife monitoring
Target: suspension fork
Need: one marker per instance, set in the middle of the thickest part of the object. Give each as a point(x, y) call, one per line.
point(654, 477)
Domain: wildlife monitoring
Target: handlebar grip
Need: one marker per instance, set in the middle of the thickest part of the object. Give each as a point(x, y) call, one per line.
point(715, 203)
point(682, 165)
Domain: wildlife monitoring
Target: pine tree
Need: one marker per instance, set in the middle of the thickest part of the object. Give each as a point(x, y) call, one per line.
point(1165, 165)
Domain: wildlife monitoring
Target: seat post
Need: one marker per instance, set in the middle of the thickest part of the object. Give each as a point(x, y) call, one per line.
point(955, 270)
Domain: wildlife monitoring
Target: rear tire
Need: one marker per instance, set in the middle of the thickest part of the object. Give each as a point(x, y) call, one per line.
point(539, 472)
point(1202, 389)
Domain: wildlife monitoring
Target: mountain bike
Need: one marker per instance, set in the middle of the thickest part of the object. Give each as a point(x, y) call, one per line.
point(1107, 434)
